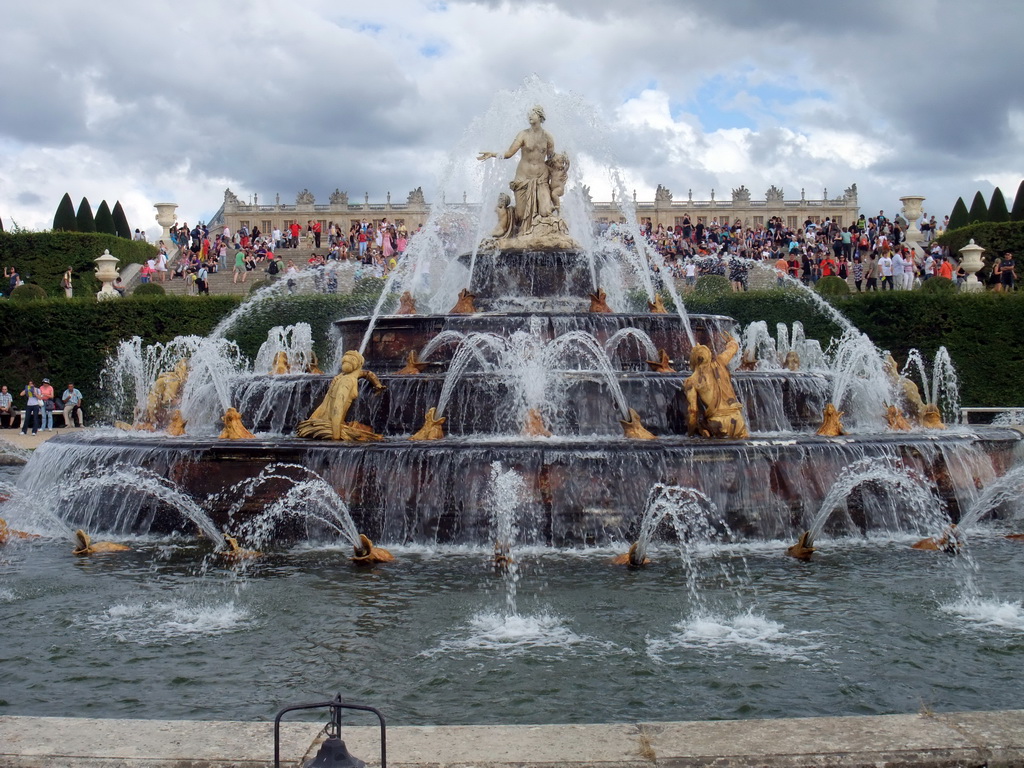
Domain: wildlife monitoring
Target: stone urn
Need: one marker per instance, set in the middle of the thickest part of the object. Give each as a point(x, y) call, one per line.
point(165, 218)
point(106, 273)
point(971, 263)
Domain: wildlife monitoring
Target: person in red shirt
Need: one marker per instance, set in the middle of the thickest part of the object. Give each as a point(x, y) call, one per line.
point(946, 269)
point(295, 229)
point(828, 267)
point(317, 231)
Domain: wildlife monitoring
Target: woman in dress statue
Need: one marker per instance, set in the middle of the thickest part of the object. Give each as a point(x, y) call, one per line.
point(530, 186)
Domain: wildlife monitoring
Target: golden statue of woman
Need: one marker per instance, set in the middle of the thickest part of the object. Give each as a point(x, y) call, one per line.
point(714, 410)
point(328, 421)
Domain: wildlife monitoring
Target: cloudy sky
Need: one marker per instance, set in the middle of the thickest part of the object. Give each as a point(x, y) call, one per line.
point(147, 102)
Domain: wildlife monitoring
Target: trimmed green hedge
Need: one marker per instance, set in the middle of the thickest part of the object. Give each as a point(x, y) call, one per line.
point(70, 340)
point(995, 238)
point(42, 257)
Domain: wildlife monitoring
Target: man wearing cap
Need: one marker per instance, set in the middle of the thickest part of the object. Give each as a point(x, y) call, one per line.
point(72, 401)
point(8, 415)
point(46, 407)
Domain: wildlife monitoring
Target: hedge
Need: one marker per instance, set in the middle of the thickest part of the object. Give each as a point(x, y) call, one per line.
point(70, 340)
point(42, 257)
point(995, 238)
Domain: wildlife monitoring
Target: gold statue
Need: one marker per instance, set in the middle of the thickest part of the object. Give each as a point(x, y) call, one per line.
point(895, 420)
point(7, 533)
point(235, 553)
point(367, 554)
point(406, 304)
point(87, 546)
point(177, 426)
point(663, 364)
point(328, 421)
point(748, 361)
point(802, 550)
point(599, 303)
point(630, 558)
point(314, 365)
point(909, 390)
point(831, 424)
point(714, 410)
point(413, 365)
point(280, 365)
point(657, 306)
point(931, 418)
point(233, 427)
point(502, 557)
point(534, 425)
point(432, 427)
point(164, 395)
point(792, 361)
point(465, 305)
point(950, 541)
point(632, 427)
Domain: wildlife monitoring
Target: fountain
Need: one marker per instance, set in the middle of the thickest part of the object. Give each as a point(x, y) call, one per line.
point(510, 382)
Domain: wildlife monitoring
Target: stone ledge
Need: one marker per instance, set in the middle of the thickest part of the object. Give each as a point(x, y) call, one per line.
point(953, 739)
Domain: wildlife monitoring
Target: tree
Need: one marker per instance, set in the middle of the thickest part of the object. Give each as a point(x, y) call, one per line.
point(1017, 214)
point(979, 211)
point(1, 225)
point(997, 207)
point(105, 220)
point(84, 217)
point(121, 222)
point(64, 219)
point(959, 217)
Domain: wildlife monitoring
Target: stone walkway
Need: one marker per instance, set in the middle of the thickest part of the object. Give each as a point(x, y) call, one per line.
point(952, 739)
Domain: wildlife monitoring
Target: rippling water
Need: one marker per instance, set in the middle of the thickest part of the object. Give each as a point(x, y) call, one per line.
point(869, 627)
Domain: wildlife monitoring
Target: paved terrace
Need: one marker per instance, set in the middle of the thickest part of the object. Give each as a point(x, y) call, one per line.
point(953, 739)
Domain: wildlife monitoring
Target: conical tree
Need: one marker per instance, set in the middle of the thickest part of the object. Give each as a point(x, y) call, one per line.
point(997, 207)
point(979, 211)
point(105, 220)
point(85, 220)
point(1017, 212)
point(1, 225)
point(121, 222)
point(959, 217)
point(64, 219)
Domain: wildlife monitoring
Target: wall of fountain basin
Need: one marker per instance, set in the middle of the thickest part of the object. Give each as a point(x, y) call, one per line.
point(579, 492)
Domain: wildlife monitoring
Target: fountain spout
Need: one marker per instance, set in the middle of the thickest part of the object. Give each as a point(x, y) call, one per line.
point(831, 423)
point(534, 425)
point(632, 427)
point(433, 427)
point(413, 365)
point(234, 429)
point(663, 364)
point(465, 305)
point(802, 550)
point(632, 558)
point(235, 553)
point(86, 546)
point(367, 554)
point(406, 304)
point(657, 306)
point(7, 533)
point(599, 303)
point(949, 542)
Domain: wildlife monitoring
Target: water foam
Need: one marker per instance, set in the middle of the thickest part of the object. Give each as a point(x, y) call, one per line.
point(160, 622)
point(991, 614)
point(748, 631)
point(514, 633)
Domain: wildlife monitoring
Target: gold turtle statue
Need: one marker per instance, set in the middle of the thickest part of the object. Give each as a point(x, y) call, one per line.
point(465, 304)
point(803, 548)
point(7, 533)
point(632, 427)
point(367, 554)
point(86, 546)
point(533, 425)
point(631, 558)
point(662, 365)
point(657, 307)
point(599, 303)
point(433, 427)
point(235, 553)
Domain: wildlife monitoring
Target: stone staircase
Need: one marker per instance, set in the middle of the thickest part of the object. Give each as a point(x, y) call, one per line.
point(220, 284)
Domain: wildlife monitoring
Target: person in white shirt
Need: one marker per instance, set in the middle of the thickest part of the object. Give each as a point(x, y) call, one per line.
point(897, 273)
point(885, 270)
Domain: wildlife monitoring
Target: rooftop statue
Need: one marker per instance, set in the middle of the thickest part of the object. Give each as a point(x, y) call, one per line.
point(534, 221)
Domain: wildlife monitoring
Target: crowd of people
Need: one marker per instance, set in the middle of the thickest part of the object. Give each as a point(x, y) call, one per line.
point(871, 253)
point(374, 248)
point(40, 404)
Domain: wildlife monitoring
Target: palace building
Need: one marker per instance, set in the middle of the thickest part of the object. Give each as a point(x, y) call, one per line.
point(663, 210)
